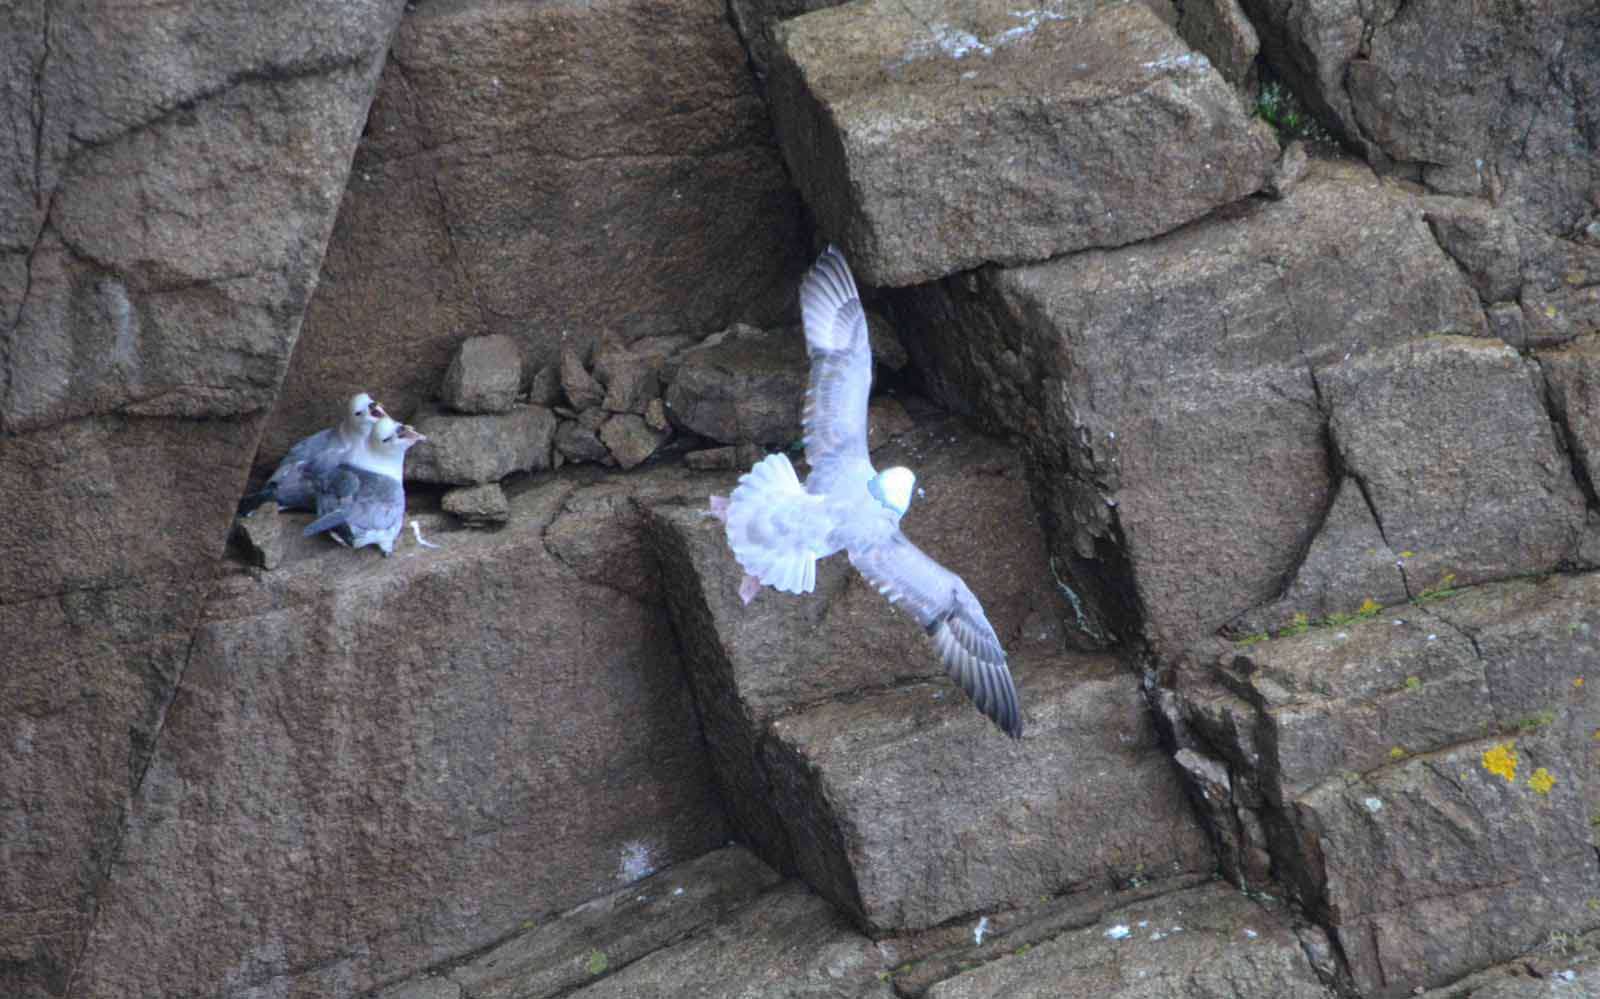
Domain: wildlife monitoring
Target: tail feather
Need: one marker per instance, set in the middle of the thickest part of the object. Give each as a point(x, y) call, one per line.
point(248, 505)
point(756, 538)
point(327, 522)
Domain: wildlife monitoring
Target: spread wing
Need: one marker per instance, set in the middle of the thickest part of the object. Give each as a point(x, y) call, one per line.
point(952, 617)
point(835, 415)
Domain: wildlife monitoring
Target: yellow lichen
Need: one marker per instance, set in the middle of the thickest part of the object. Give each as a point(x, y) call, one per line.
point(1408, 554)
point(1369, 608)
point(1397, 753)
point(1578, 682)
point(1541, 781)
point(1502, 760)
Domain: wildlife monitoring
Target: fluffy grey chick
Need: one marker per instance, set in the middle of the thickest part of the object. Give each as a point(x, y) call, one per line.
point(362, 500)
point(293, 483)
point(778, 529)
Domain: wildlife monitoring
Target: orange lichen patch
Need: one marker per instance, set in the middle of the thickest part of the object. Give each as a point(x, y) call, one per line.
point(1502, 760)
point(1541, 781)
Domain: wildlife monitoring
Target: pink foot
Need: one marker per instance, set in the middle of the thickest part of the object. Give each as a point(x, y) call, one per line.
point(719, 508)
point(748, 588)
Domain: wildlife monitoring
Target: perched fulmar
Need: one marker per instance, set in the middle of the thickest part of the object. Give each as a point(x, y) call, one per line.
point(363, 500)
point(293, 483)
point(778, 529)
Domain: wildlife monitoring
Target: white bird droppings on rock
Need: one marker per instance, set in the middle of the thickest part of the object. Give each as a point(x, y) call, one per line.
point(1118, 932)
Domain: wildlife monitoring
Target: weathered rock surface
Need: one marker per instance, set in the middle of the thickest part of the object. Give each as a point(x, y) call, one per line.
point(743, 386)
point(615, 930)
point(826, 767)
point(926, 147)
point(580, 387)
point(757, 19)
point(852, 780)
point(550, 172)
point(1423, 778)
point(1153, 525)
point(1472, 492)
point(788, 944)
point(1493, 106)
point(1568, 963)
point(262, 536)
point(351, 728)
point(1541, 291)
point(478, 506)
point(629, 439)
point(481, 448)
point(1221, 31)
point(1573, 377)
point(166, 194)
point(484, 376)
point(1348, 556)
point(1206, 943)
point(578, 441)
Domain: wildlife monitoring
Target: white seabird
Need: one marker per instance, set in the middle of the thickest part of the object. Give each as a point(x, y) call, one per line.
point(778, 529)
point(362, 500)
point(293, 482)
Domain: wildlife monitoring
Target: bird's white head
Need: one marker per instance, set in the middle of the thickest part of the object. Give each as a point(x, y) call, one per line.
point(362, 413)
point(892, 487)
point(387, 446)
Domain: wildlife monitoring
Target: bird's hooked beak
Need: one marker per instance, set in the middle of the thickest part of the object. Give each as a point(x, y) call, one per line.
point(376, 411)
point(409, 433)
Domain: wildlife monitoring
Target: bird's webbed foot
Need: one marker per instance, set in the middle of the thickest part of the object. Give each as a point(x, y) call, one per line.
point(748, 588)
point(718, 508)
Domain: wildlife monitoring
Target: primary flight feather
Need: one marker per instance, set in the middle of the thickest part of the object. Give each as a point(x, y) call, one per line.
point(779, 528)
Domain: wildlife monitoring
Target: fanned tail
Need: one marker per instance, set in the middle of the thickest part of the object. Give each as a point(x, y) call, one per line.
point(753, 531)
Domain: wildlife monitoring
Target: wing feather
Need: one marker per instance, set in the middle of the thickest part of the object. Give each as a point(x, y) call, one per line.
point(835, 414)
point(951, 615)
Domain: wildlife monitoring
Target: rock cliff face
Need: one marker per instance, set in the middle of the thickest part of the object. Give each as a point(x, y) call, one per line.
point(1273, 463)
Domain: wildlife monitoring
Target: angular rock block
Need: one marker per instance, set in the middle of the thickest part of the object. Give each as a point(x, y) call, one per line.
point(1348, 556)
point(1567, 962)
point(928, 144)
point(1443, 865)
point(484, 376)
point(906, 809)
point(1573, 376)
point(742, 386)
point(1169, 391)
point(827, 765)
point(1210, 942)
point(787, 944)
point(1424, 779)
point(614, 930)
point(472, 450)
point(1464, 493)
point(372, 765)
point(1507, 124)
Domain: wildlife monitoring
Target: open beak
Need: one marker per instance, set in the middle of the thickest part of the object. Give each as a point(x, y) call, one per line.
point(376, 411)
point(410, 433)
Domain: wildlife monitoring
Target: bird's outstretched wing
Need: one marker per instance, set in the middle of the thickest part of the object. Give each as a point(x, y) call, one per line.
point(835, 416)
point(952, 617)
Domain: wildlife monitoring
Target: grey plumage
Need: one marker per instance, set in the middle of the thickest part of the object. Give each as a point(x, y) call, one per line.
point(778, 529)
point(293, 485)
point(362, 500)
